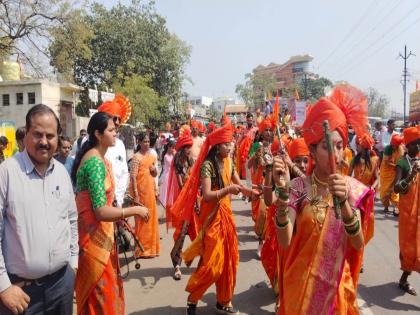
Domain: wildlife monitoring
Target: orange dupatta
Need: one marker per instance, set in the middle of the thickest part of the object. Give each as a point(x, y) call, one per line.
point(217, 244)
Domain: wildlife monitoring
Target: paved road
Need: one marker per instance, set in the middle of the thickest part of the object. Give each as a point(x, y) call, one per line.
point(152, 291)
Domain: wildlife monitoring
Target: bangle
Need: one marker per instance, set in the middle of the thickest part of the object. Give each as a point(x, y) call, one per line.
point(281, 226)
point(267, 187)
point(123, 216)
point(355, 231)
point(282, 193)
point(349, 221)
point(283, 212)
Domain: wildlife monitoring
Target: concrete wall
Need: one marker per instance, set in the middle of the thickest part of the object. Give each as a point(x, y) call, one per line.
point(15, 112)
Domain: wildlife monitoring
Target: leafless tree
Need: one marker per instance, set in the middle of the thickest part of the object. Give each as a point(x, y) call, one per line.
point(24, 29)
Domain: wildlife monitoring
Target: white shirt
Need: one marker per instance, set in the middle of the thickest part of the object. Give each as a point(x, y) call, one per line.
point(118, 158)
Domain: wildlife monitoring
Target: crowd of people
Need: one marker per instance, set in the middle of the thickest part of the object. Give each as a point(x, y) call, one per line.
point(311, 189)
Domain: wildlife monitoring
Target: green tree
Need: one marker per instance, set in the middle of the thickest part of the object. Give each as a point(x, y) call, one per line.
point(126, 39)
point(312, 87)
point(256, 88)
point(378, 104)
point(25, 28)
point(147, 105)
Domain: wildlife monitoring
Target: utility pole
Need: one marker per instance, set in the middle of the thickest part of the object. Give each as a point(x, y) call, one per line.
point(405, 73)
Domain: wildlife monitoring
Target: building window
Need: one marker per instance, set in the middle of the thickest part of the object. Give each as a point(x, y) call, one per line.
point(19, 98)
point(31, 98)
point(6, 99)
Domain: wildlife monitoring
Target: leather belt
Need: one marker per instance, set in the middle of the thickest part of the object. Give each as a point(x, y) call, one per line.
point(22, 282)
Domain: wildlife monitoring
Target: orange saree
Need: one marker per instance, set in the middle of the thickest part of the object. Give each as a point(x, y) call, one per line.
point(146, 232)
point(409, 227)
point(387, 176)
point(321, 268)
point(217, 246)
point(99, 289)
point(364, 174)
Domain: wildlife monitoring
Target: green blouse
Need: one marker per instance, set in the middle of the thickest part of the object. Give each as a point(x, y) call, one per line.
point(405, 167)
point(91, 177)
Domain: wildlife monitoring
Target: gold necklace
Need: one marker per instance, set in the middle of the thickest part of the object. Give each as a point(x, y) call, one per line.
point(319, 207)
point(314, 177)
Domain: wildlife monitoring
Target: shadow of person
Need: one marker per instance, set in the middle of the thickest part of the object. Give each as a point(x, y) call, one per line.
point(384, 295)
point(161, 310)
point(149, 277)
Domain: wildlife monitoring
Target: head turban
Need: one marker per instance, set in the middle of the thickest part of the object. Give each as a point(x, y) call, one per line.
point(346, 105)
point(396, 140)
point(265, 124)
point(298, 148)
point(365, 141)
point(184, 139)
point(411, 134)
point(118, 107)
point(185, 202)
point(194, 124)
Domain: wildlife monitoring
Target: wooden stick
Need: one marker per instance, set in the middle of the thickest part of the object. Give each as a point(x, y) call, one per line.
point(333, 168)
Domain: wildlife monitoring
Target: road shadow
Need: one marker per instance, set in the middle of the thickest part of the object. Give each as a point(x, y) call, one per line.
point(384, 295)
point(246, 255)
point(245, 229)
point(242, 238)
point(156, 274)
point(161, 310)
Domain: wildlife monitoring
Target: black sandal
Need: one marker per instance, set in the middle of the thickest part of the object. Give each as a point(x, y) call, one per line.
point(225, 310)
point(406, 287)
point(191, 308)
point(395, 213)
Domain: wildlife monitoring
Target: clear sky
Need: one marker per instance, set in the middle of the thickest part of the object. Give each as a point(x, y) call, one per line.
point(357, 41)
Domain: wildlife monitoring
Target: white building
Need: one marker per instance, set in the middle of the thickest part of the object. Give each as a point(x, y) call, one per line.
point(220, 103)
point(17, 97)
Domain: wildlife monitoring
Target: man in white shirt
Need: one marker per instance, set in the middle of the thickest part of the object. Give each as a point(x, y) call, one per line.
point(385, 136)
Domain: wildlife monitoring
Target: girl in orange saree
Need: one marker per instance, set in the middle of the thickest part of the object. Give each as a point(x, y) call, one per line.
point(365, 164)
point(392, 154)
point(324, 253)
point(143, 189)
point(99, 288)
point(180, 170)
point(216, 243)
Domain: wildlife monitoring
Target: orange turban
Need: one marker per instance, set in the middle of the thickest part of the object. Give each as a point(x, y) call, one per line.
point(287, 141)
point(396, 140)
point(365, 141)
point(184, 139)
point(194, 124)
point(346, 105)
point(185, 202)
point(411, 134)
point(119, 106)
point(298, 148)
point(265, 124)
